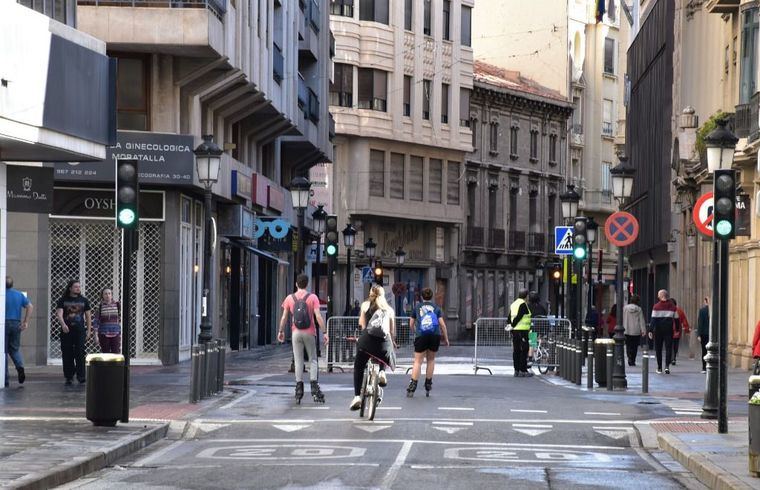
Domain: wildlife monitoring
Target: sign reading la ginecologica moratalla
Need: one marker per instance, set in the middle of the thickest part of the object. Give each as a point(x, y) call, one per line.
point(161, 158)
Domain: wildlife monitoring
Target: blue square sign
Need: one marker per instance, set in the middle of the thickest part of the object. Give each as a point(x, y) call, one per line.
point(563, 240)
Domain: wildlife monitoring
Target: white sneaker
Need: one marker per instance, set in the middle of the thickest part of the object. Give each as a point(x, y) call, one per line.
point(382, 380)
point(356, 403)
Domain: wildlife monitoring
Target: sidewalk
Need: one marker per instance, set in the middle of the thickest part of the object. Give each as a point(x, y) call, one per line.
point(47, 441)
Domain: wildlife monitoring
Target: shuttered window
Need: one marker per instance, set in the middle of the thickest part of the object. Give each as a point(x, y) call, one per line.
point(397, 175)
point(416, 178)
point(452, 183)
point(464, 107)
point(376, 173)
point(435, 189)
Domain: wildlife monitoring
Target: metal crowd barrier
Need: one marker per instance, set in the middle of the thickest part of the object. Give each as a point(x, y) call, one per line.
point(493, 342)
point(343, 332)
point(207, 377)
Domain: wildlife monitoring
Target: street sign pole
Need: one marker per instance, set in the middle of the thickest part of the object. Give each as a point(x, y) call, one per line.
point(710, 405)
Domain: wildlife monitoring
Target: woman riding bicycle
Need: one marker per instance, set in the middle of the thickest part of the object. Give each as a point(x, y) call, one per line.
point(378, 329)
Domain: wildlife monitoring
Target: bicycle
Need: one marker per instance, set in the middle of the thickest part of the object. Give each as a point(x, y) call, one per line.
point(371, 391)
point(541, 356)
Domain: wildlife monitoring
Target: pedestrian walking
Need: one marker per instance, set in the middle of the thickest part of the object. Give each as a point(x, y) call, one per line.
point(756, 348)
point(664, 314)
point(18, 310)
point(612, 321)
point(378, 331)
point(73, 314)
point(679, 328)
point(635, 327)
point(302, 307)
point(107, 320)
point(703, 331)
point(429, 329)
point(519, 320)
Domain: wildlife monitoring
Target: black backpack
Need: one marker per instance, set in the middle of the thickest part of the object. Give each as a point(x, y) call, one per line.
point(301, 317)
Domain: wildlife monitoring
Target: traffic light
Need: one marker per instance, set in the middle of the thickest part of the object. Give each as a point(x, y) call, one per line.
point(724, 207)
point(331, 235)
point(556, 273)
point(127, 193)
point(378, 271)
point(580, 238)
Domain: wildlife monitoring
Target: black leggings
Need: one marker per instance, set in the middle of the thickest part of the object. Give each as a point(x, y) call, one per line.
point(663, 337)
point(367, 345)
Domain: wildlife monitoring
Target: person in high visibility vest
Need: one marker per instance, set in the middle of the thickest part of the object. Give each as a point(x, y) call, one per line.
point(519, 319)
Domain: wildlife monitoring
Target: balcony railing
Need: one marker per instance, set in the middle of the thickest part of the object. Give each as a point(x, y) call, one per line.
point(303, 95)
point(278, 63)
point(536, 243)
point(516, 241)
point(607, 128)
point(474, 236)
point(217, 7)
point(577, 128)
point(496, 239)
point(314, 15)
point(747, 119)
point(313, 107)
point(342, 99)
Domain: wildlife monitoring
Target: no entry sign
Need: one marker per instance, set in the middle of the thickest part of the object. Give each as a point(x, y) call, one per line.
point(703, 214)
point(621, 229)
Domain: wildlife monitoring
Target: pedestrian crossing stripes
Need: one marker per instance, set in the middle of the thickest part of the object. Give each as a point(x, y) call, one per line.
point(683, 407)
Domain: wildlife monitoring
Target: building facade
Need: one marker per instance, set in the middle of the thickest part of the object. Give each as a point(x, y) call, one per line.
point(513, 179)
point(400, 98)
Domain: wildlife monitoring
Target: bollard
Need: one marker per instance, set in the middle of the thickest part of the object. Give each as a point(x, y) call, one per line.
point(563, 359)
point(222, 359)
point(590, 366)
point(609, 346)
point(194, 374)
point(579, 362)
point(645, 369)
point(560, 365)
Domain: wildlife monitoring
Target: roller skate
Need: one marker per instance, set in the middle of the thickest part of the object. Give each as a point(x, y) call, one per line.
point(411, 388)
point(428, 386)
point(299, 392)
point(316, 392)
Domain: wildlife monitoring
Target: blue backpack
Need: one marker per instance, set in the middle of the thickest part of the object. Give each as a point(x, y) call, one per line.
point(428, 319)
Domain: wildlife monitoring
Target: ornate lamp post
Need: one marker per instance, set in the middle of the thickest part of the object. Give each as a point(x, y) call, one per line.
point(400, 259)
point(622, 186)
point(349, 237)
point(208, 160)
point(300, 188)
point(370, 247)
point(319, 217)
point(592, 228)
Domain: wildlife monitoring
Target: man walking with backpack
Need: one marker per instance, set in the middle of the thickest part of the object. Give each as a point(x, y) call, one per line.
point(429, 328)
point(302, 307)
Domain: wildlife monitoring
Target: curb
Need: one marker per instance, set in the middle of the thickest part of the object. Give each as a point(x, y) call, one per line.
point(706, 472)
point(90, 462)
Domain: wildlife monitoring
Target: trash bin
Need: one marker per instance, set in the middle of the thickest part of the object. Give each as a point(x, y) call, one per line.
point(105, 388)
point(600, 361)
point(754, 384)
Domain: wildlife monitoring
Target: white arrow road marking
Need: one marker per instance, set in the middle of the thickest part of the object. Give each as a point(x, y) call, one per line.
point(518, 410)
point(290, 427)
point(211, 427)
point(449, 430)
point(372, 428)
point(440, 422)
point(532, 430)
point(613, 432)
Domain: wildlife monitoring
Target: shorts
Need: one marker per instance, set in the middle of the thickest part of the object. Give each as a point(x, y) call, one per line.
point(427, 342)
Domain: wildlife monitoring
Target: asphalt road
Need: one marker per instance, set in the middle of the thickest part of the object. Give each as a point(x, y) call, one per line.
point(490, 431)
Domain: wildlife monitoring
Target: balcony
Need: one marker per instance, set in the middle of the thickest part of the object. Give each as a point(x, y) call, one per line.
point(496, 239)
point(597, 201)
point(278, 63)
point(308, 34)
point(722, 6)
point(607, 128)
point(516, 241)
point(536, 243)
point(315, 17)
point(342, 99)
point(313, 113)
point(474, 237)
point(303, 95)
point(747, 119)
point(217, 7)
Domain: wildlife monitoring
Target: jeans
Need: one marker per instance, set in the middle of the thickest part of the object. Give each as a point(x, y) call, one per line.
point(520, 349)
point(109, 345)
point(632, 347)
point(703, 341)
point(13, 345)
point(663, 336)
point(676, 343)
point(73, 352)
point(304, 341)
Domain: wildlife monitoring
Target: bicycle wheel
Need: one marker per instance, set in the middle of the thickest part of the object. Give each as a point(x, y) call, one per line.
point(363, 392)
point(543, 360)
point(373, 397)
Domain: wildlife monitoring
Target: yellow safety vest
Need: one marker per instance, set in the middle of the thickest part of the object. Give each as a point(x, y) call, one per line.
point(524, 323)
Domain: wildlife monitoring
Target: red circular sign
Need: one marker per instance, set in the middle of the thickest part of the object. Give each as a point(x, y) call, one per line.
point(703, 214)
point(621, 229)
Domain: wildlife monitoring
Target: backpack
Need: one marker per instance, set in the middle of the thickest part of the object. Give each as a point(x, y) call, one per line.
point(301, 316)
point(375, 325)
point(428, 320)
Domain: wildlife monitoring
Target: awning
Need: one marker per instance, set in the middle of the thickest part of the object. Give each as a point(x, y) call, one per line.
point(260, 253)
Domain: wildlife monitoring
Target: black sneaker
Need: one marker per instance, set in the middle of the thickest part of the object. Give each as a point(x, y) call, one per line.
point(673, 363)
point(82, 381)
point(21, 376)
point(667, 371)
point(68, 382)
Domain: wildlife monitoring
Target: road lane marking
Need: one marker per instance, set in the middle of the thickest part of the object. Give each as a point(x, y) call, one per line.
point(238, 400)
point(390, 477)
point(534, 426)
point(532, 432)
point(158, 455)
point(443, 422)
point(431, 419)
point(389, 408)
point(613, 434)
point(372, 428)
point(282, 452)
point(519, 410)
point(613, 414)
point(612, 428)
point(291, 427)
point(362, 421)
point(421, 441)
point(448, 430)
point(486, 452)
point(312, 408)
point(464, 409)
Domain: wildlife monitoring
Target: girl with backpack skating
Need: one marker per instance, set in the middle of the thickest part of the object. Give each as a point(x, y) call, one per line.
point(429, 329)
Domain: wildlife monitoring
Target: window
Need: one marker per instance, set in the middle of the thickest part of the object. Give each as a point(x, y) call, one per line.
point(416, 178)
point(533, 145)
point(464, 108)
point(749, 55)
point(407, 96)
point(493, 146)
point(132, 94)
point(609, 55)
point(607, 117)
point(344, 8)
point(55, 9)
point(445, 103)
point(376, 173)
point(426, 96)
point(446, 20)
point(474, 128)
point(553, 148)
point(513, 141)
point(452, 183)
point(606, 177)
point(435, 189)
point(342, 89)
point(466, 26)
point(374, 10)
point(408, 8)
point(397, 175)
point(427, 25)
point(373, 89)
point(577, 116)
point(278, 63)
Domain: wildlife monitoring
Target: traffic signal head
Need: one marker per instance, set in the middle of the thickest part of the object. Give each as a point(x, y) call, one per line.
point(556, 273)
point(724, 207)
point(127, 192)
point(580, 238)
point(378, 271)
point(331, 235)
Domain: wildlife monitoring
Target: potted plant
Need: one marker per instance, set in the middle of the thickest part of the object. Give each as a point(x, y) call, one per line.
point(754, 434)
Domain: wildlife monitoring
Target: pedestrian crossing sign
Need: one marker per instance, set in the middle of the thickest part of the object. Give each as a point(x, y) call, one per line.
point(563, 240)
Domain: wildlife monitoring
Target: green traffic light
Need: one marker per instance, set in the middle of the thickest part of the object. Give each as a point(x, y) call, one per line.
point(127, 216)
point(579, 253)
point(331, 249)
point(723, 227)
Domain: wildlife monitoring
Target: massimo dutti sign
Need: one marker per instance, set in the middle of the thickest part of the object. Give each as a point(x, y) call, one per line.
point(29, 189)
point(161, 159)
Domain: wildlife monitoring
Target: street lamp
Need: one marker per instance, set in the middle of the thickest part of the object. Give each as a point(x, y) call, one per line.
point(570, 199)
point(349, 237)
point(300, 188)
point(591, 231)
point(319, 218)
point(400, 256)
point(208, 160)
point(622, 187)
point(369, 249)
point(721, 145)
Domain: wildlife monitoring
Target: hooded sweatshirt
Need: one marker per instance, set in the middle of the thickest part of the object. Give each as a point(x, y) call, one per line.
point(633, 320)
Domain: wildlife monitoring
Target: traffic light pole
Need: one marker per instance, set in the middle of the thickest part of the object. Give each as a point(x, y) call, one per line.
point(710, 405)
point(129, 246)
point(723, 344)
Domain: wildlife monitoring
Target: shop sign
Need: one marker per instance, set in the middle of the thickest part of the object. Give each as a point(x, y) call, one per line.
point(276, 199)
point(29, 189)
point(260, 193)
point(241, 185)
point(237, 221)
point(274, 235)
point(743, 215)
point(101, 204)
point(161, 159)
